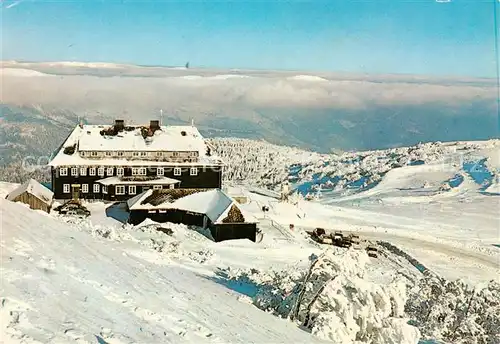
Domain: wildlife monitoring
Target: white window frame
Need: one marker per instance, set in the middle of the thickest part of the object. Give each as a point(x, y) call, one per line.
point(74, 171)
point(97, 188)
point(144, 154)
point(121, 188)
point(109, 171)
point(176, 154)
point(107, 153)
point(159, 154)
point(104, 189)
point(66, 188)
point(193, 171)
point(135, 154)
point(171, 186)
point(157, 187)
point(92, 171)
point(63, 171)
point(177, 171)
point(160, 171)
point(132, 190)
point(120, 153)
point(100, 171)
point(85, 188)
point(93, 153)
point(138, 171)
point(120, 171)
point(83, 171)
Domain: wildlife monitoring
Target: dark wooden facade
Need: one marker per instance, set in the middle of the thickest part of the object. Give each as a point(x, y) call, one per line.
point(207, 178)
point(33, 201)
point(168, 215)
point(220, 232)
point(231, 231)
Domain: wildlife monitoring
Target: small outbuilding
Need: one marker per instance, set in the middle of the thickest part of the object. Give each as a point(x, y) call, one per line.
point(212, 209)
point(34, 194)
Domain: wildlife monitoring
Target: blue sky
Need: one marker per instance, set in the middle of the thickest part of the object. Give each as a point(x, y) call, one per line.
point(376, 36)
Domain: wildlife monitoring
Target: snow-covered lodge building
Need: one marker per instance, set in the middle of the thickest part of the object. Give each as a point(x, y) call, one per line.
point(118, 162)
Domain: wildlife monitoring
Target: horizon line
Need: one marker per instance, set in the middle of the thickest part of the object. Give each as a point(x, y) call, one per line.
point(212, 68)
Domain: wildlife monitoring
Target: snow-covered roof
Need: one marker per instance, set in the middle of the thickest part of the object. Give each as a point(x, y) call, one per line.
point(34, 188)
point(128, 181)
point(88, 138)
point(167, 138)
point(213, 203)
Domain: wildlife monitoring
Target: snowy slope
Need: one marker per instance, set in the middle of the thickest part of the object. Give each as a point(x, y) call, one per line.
point(61, 285)
point(65, 278)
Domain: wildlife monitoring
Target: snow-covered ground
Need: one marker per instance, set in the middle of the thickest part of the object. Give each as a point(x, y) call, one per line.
point(99, 280)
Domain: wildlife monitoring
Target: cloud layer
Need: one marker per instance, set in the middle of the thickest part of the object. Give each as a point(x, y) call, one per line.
point(107, 87)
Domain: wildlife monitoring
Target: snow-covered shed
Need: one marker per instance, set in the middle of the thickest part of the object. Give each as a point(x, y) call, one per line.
point(211, 209)
point(34, 194)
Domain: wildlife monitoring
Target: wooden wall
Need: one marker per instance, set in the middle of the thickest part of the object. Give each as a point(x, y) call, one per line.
point(32, 201)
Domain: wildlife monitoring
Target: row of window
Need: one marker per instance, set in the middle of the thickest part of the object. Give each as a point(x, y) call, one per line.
point(136, 171)
point(119, 189)
point(137, 154)
point(85, 188)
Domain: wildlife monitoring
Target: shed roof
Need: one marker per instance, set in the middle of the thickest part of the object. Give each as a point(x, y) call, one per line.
point(34, 188)
point(213, 203)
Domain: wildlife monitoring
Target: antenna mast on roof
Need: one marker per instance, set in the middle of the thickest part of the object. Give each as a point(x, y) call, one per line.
point(161, 117)
point(192, 122)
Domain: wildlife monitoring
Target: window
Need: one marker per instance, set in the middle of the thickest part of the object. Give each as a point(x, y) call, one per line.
point(96, 188)
point(100, 171)
point(108, 153)
point(176, 153)
point(159, 154)
point(131, 190)
point(144, 154)
point(135, 154)
point(177, 171)
point(157, 187)
point(120, 190)
point(66, 188)
point(120, 153)
point(193, 171)
point(85, 188)
point(160, 171)
point(92, 171)
point(171, 186)
point(74, 171)
point(138, 171)
point(104, 189)
point(83, 171)
point(119, 171)
point(109, 171)
point(63, 171)
point(94, 154)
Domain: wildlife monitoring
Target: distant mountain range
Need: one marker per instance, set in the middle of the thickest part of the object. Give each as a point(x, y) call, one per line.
point(41, 102)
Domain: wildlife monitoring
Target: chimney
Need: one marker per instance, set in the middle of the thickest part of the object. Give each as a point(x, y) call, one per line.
point(119, 124)
point(154, 124)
